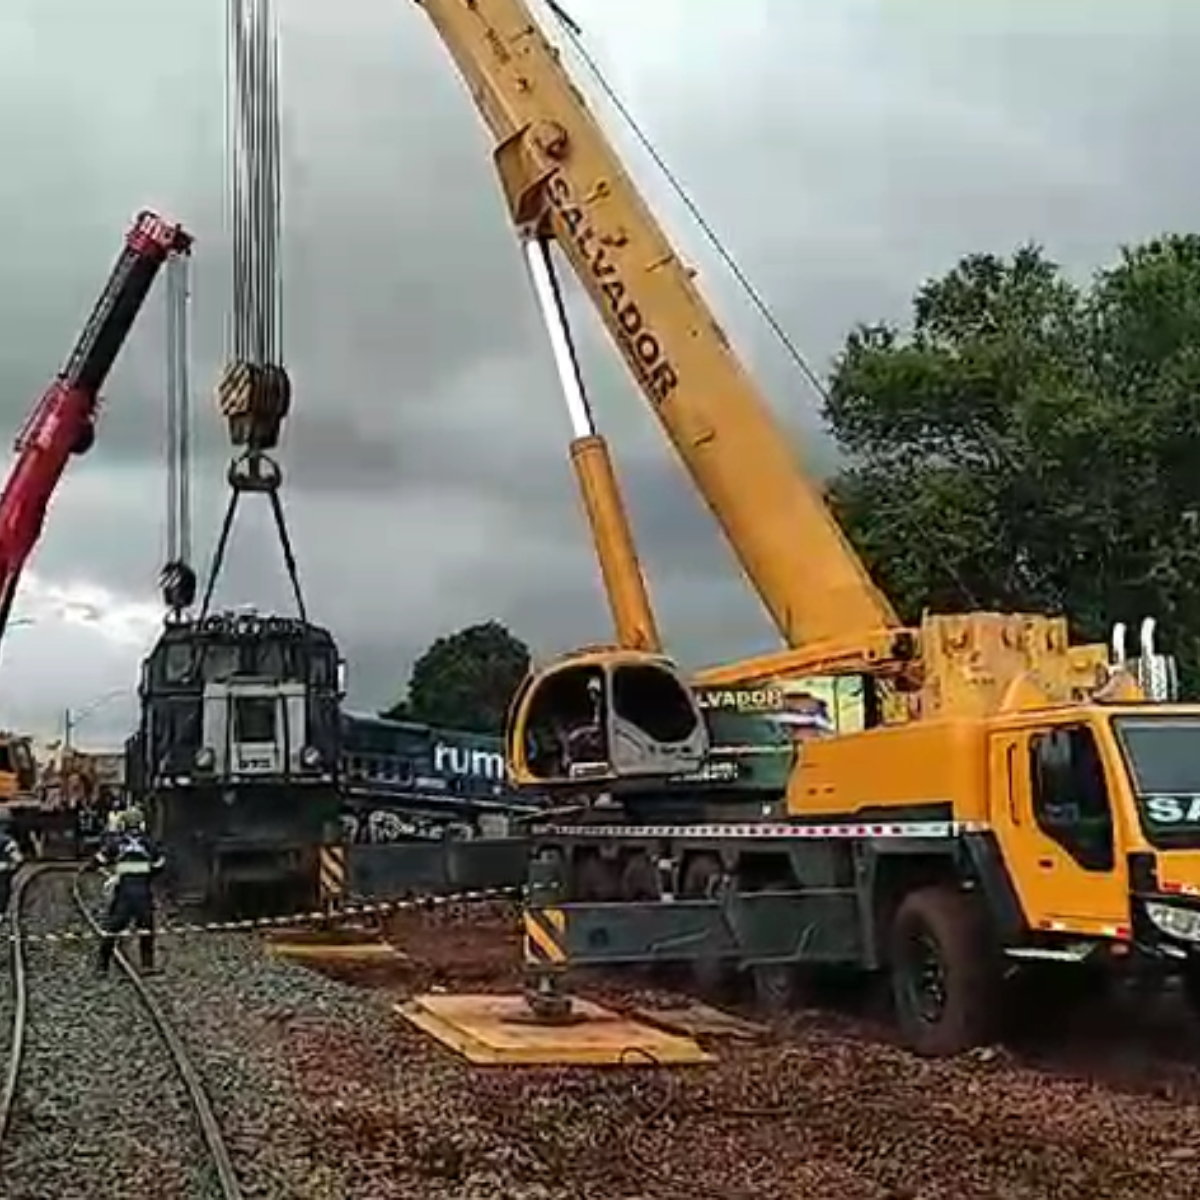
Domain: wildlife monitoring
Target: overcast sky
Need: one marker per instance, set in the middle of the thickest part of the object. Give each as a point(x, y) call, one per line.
point(845, 151)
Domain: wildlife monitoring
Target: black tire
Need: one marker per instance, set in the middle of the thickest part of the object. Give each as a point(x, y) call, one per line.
point(711, 977)
point(640, 879)
point(776, 988)
point(777, 985)
point(945, 975)
point(597, 880)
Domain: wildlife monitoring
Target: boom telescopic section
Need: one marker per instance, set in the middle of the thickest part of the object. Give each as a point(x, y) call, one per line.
point(63, 421)
point(563, 180)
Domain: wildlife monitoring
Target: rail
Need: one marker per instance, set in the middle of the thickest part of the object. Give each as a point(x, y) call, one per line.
point(20, 986)
point(210, 1129)
point(229, 1186)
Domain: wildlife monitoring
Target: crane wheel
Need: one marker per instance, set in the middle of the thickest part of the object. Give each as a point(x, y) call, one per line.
point(946, 980)
point(701, 877)
point(639, 878)
point(777, 989)
point(597, 880)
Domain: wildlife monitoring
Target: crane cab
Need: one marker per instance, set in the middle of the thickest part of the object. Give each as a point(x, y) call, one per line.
point(601, 716)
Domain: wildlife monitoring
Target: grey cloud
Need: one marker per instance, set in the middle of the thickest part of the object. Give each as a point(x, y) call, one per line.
point(844, 150)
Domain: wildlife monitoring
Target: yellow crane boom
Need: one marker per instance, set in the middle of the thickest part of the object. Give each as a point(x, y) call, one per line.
point(563, 180)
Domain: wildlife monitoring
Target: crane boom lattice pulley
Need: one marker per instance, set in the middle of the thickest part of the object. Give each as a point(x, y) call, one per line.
point(63, 421)
point(563, 179)
point(148, 244)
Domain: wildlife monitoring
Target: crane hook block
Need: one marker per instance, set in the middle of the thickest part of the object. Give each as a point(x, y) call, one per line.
point(254, 398)
point(254, 471)
point(178, 584)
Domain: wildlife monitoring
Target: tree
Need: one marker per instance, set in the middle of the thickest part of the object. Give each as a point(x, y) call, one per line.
point(1034, 445)
point(401, 710)
point(466, 680)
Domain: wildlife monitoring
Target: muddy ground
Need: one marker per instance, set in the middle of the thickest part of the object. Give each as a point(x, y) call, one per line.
point(819, 1106)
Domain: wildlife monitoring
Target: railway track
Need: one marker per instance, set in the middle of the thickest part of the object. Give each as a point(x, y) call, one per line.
point(24, 1012)
point(19, 983)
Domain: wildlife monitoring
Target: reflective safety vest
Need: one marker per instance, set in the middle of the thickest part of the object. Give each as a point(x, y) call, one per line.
point(132, 857)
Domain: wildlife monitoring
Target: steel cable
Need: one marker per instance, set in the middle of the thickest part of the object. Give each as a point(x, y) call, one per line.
point(179, 517)
point(254, 185)
point(254, 207)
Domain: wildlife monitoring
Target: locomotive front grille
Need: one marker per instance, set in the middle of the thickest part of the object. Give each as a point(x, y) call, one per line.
point(256, 731)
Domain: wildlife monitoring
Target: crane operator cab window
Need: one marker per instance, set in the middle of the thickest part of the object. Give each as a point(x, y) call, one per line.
point(601, 721)
point(1070, 795)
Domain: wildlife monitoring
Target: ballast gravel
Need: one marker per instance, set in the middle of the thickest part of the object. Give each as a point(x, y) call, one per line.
point(101, 1112)
point(325, 1094)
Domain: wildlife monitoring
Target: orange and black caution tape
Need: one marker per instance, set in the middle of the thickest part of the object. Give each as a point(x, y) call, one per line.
point(348, 912)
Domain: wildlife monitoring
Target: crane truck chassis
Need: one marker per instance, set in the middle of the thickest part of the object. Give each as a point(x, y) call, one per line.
point(1079, 852)
point(1010, 796)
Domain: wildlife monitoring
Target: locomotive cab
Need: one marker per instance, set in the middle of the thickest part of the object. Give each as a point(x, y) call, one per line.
point(238, 756)
point(601, 717)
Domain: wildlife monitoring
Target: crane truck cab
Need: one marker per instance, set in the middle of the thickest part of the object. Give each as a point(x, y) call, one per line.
point(1096, 811)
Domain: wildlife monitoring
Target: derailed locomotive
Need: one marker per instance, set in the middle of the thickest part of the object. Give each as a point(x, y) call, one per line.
point(236, 758)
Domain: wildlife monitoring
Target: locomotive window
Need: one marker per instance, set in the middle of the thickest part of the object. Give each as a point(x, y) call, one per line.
point(254, 719)
point(272, 661)
point(177, 663)
point(221, 662)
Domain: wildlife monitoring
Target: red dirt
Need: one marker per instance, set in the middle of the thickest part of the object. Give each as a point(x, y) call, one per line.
point(819, 1108)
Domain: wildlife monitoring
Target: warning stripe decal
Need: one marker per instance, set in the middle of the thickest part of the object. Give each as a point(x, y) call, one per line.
point(544, 935)
point(762, 830)
point(333, 870)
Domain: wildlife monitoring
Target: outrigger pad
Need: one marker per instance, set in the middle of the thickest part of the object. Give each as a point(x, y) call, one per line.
point(316, 945)
point(499, 1031)
point(315, 951)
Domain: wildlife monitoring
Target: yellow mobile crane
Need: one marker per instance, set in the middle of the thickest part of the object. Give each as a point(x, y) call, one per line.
point(1024, 800)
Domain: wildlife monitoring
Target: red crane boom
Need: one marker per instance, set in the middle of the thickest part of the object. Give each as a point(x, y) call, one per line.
point(63, 422)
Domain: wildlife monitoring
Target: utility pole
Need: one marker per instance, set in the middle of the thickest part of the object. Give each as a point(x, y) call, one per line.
point(73, 716)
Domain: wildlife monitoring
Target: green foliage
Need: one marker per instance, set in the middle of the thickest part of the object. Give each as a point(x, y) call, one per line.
point(465, 681)
point(400, 711)
point(1030, 444)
